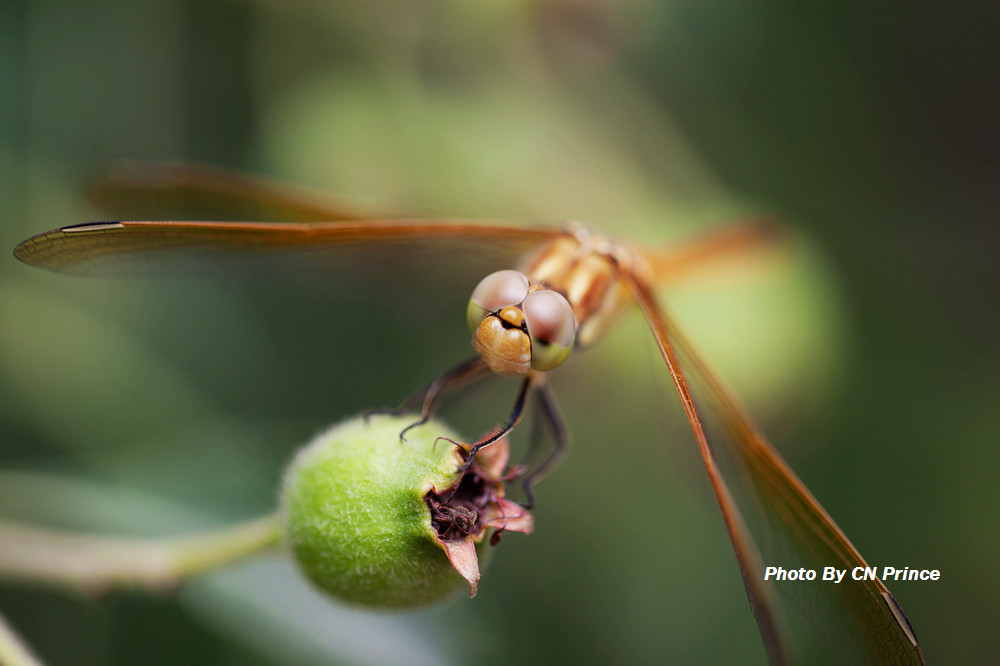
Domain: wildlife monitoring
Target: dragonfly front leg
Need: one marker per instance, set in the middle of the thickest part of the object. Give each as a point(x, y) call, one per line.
point(552, 420)
point(463, 374)
point(515, 417)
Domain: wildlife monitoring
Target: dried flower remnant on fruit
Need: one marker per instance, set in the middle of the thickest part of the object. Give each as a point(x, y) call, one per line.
point(462, 515)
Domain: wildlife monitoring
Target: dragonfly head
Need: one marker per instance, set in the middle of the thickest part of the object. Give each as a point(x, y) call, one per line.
point(517, 326)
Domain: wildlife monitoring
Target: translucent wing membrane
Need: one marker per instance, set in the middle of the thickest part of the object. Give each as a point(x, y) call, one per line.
point(176, 190)
point(398, 258)
point(740, 240)
point(284, 232)
point(772, 519)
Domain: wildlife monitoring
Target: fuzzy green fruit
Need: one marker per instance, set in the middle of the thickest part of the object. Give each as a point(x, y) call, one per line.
point(355, 514)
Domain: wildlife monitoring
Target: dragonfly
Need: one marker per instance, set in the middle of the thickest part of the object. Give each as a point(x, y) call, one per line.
point(545, 292)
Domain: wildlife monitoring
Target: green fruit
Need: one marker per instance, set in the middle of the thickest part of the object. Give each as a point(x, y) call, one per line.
point(355, 514)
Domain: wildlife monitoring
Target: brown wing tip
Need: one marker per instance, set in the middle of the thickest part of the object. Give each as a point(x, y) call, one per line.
point(38, 250)
point(26, 250)
point(901, 619)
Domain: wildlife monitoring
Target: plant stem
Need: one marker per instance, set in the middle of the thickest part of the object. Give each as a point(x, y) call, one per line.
point(13, 651)
point(98, 564)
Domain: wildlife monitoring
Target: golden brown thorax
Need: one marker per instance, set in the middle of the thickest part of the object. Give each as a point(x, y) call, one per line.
point(586, 268)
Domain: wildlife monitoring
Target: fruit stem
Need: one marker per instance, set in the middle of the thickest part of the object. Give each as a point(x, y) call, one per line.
point(95, 565)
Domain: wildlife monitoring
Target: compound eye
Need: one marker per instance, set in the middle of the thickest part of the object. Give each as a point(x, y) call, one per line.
point(551, 326)
point(496, 291)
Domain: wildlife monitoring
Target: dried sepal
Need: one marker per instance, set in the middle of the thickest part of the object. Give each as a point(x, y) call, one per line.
point(463, 515)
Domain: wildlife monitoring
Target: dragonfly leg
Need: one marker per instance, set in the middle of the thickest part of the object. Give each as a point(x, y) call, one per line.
point(461, 375)
point(515, 417)
point(552, 418)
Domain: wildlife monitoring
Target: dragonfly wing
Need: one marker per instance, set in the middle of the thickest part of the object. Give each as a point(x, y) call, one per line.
point(744, 239)
point(388, 260)
point(774, 520)
point(178, 190)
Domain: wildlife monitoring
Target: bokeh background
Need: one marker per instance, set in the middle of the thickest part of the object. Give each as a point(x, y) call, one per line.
point(869, 352)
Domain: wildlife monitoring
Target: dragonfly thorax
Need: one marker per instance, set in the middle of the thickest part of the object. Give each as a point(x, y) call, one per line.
point(586, 267)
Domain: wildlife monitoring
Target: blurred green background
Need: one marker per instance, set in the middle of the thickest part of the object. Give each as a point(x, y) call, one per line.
point(869, 354)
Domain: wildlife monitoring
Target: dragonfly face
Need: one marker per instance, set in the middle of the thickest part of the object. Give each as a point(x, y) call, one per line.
point(579, 281)
point(518, 326)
